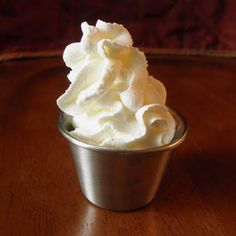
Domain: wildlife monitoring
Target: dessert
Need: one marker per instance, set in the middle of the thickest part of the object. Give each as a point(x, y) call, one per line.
point(112, 99)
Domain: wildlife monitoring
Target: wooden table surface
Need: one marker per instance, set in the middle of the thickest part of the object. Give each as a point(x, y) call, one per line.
point(39, 190)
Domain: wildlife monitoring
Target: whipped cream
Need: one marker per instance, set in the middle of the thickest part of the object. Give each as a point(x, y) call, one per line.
point(113, 100)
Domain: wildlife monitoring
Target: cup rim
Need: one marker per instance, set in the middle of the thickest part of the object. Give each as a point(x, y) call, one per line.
point(176, 141)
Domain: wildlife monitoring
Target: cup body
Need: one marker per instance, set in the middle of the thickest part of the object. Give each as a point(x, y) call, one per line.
point(120, 180)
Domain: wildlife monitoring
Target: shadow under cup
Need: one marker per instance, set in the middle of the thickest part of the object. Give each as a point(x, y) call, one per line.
point(120, 180)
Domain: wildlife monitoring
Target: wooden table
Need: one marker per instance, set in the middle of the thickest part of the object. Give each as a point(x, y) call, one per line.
point(39, 190)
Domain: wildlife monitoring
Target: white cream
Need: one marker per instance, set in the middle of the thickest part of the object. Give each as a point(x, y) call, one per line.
point(113, 100)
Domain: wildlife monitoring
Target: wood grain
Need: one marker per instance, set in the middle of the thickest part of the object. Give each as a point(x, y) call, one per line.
point(39, 191)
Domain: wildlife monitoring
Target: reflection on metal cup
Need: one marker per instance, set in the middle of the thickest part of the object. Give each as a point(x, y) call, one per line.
point(120, 180)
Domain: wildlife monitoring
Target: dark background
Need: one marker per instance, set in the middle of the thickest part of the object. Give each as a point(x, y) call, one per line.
point(36, 26)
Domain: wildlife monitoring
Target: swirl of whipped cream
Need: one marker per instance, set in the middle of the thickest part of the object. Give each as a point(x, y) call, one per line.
point(113, 100)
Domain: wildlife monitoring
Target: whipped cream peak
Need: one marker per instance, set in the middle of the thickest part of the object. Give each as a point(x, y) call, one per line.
point(112, 98)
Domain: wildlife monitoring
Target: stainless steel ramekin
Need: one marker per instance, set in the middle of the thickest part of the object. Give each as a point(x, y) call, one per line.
point(120, 180)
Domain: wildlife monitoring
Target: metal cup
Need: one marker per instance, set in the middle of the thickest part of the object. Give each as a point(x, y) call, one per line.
point(120, 180)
